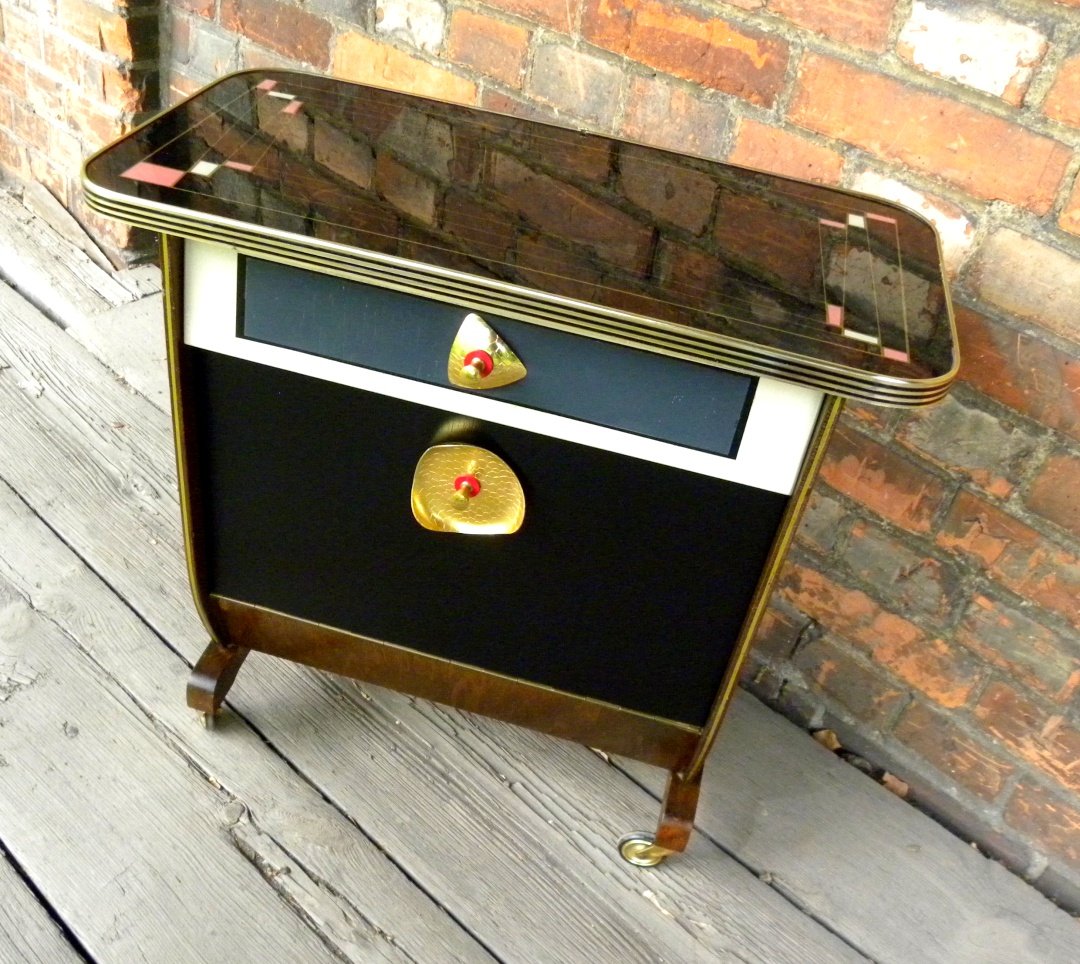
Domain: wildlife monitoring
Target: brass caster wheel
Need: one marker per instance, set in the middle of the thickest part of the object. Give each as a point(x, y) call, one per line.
point(640, 849)
point(208, 720)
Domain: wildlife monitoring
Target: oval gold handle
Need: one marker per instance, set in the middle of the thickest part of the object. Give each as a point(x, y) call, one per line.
point(466, 489)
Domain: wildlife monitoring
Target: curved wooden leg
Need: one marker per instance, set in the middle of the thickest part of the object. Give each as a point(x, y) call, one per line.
point(673, 832)
point(212, 677)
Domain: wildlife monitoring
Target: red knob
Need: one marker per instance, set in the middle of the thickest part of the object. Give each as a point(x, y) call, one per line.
point(467, 485)
point(480, 362)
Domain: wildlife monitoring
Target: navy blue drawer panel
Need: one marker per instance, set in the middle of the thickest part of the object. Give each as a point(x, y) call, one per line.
point(623, 388)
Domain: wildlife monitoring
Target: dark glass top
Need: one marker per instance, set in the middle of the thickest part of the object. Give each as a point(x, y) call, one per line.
point(841, 283)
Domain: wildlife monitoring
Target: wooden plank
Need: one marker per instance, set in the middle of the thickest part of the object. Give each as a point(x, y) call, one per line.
point(27, 933)
point(130, 340)
point(119, 834)
point(50, 270)
point(507, 865)
point(869, 865)
point(291, 816)
point(282, 824)
point(528, 825)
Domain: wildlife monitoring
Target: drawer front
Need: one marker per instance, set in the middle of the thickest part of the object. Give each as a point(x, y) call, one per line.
point(628, 581)
point(570, 375)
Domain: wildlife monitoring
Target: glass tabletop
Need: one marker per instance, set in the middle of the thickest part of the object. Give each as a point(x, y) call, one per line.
point(830, 281)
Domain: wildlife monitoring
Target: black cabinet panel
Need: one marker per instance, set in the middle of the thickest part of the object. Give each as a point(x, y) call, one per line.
point(627, 583)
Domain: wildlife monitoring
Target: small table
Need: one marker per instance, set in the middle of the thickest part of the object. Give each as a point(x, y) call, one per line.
point(504, 415)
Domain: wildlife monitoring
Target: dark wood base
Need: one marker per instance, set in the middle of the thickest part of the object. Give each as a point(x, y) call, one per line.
point(606, 727)
point(213, 676)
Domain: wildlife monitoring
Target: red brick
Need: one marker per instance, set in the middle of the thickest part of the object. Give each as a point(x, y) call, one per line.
point(677, 195)
point(556, 268)
point(779, 151)
point(554, 13)
point(1029, 279)
point(12, 77)
point(567, 212)
point(1070, 214)
point(1029, 652)
point(944, 745)
point(1014, 554)
point(1043, 740)
point(662, 114)
point(578, 83)
point(348, 157)
point(747, 222)
point(1048, 819)
point(1055, 493)
point(405, 189)
point(859, 23)
point(675, 39)
point(51, 99)
point(493, 47)
point(858, 688)
point(12, 155)
point(929, 665)
point(978, 152)
point(29, 126)
point(969, 442)
point(777, 634)
point(487, 231)
point(22, 35)
point(366, 61)
point(688, 269)
point(883, 480)
point(1063, 101)
point(920, 587)
point(203, 8)
point(973, 46)
point(287, 29)
point(822, 522)
point(1021, 371)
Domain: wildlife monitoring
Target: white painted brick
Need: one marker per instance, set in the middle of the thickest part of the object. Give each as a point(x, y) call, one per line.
point(974, 46)
point(418, 22)
point(955, 230)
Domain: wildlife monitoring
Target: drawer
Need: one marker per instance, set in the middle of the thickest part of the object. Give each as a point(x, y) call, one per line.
point(598, 382)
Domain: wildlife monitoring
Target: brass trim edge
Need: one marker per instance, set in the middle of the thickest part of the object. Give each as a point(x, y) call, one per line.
point(638, 331)
point(830, 414)
point(172, 258)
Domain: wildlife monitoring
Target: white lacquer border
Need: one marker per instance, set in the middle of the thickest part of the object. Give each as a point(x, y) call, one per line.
point(774, 441)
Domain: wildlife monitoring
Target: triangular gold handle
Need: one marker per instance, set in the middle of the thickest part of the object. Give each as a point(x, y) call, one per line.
point(464, 488)
point(480, 358)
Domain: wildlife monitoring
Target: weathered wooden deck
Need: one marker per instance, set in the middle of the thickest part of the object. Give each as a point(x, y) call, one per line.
point(326, 820)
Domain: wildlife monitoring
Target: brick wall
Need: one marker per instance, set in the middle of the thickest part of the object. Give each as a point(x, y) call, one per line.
point(930, 611)
point(74, 74)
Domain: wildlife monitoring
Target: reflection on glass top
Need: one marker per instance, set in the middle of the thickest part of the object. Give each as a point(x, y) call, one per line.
point(777, 263)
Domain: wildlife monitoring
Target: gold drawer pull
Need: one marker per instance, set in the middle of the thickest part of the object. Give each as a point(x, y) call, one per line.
point(480, 358)
point(467, 489)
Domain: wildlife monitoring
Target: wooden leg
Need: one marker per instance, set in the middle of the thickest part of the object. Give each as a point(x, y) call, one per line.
point(212, 677)
point(673, 832)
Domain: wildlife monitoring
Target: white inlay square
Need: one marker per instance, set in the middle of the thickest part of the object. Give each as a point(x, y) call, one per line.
point(856, 221)
point(204, 168)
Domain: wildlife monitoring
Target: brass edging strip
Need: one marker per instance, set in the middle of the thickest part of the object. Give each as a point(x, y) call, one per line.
point(830, 413)
point(172, 257)
point(607, 727)
point(536, 307)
